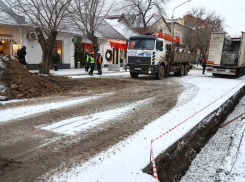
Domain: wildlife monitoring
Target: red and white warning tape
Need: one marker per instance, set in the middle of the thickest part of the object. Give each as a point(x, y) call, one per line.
point(165, 133)
point(154, 164)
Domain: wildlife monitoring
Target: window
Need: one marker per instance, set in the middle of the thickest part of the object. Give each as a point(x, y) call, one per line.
point(159, 45)
point(58, 48)
point(160, 29)
point(146, 44)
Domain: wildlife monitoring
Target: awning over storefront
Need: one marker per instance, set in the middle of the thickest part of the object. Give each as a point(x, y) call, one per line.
point(6, 37)
point(121, 46)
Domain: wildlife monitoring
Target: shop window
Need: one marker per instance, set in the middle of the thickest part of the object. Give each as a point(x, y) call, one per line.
point(160, 29)
point(3, 47)
point(58, 47)
point(122, 55)
point(15, 48)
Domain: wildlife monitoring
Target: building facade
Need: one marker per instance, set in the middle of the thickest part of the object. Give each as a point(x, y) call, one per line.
point(112, 36)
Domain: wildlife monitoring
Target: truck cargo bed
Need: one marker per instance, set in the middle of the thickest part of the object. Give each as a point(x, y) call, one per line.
point(181, 57)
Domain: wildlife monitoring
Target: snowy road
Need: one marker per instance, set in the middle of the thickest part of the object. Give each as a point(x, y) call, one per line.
point(125, 161)
point(92, 117)
point(106, 138)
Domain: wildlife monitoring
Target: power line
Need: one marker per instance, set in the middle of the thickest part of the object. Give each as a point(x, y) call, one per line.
point(235, 12)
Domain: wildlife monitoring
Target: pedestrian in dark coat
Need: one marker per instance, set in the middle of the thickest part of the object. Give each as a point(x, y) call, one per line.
point(99, 61)
point(200, 60)
point(55, 59)
point(204, 64)
point(21, 55)
point(86, 61)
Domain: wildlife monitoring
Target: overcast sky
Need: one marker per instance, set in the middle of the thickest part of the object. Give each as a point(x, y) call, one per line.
point(233, 11)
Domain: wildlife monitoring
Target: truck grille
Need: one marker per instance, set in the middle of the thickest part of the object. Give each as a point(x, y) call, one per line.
point(139, 60)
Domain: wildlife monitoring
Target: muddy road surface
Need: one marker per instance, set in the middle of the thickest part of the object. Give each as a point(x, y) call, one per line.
point(63, 130)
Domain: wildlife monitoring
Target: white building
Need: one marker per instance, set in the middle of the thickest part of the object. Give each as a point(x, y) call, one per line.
point(14, 33)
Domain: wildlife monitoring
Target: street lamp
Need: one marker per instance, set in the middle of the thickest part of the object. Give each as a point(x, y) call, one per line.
point(172, 24)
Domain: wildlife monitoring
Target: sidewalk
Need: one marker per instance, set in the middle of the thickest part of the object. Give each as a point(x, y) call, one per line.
point(80, 73)
point(76, 71)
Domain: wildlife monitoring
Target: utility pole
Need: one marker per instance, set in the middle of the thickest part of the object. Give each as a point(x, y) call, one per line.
point(172, 24)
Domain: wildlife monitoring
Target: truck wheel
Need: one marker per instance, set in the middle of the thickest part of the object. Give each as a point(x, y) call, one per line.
point(160, 73)
point(134, 75)
point(186, 70)
point(181, 70)
point(238, 73)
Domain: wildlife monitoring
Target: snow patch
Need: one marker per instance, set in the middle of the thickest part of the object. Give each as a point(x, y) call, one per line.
point(20, 112)
point(80, 124)
point(224, 171)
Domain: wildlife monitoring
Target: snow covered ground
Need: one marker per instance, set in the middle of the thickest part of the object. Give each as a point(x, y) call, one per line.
point(19, 112)
point(238, 169)
point(81, 123)
point(223, 152)
point(73, 72)
point(125, 160)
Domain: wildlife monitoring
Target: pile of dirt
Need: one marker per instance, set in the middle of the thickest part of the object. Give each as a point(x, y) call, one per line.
point(24, 84)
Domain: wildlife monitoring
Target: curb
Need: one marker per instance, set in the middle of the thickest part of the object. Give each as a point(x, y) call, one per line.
point(172, 164)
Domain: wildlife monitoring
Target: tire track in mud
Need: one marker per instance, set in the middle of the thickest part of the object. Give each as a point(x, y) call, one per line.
point(41, 151)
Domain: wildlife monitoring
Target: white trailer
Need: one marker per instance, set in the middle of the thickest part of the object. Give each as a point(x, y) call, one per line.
point(226, 56)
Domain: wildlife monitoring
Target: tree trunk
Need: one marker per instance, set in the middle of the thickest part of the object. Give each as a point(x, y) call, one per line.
point(96, 46)
point(47, 48)
point(46, 59)
point(78, 51)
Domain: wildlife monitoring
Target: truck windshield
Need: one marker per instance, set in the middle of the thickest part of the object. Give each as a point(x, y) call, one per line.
point(145, 44)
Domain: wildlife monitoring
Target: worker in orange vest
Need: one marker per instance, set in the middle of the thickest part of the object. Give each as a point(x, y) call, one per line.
point(99, 61)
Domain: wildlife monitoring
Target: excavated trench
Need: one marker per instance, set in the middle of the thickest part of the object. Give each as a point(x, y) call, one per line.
point(174, 162)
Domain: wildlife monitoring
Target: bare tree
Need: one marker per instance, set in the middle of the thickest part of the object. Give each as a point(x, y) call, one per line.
point(201, 23)
point(88, 16)
point(139, 9)
point(46, 16)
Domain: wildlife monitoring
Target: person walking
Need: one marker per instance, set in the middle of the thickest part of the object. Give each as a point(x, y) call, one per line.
point(86, 60)
point(21, 55)
point(99, 61)
point(91, 63)
point(197, 60)
point(55, 59)
point(200, 59)
point(204, 64)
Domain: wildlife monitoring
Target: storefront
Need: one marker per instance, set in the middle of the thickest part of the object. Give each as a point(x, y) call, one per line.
point(7, 45)
point(119, 52)
point(9, 40)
